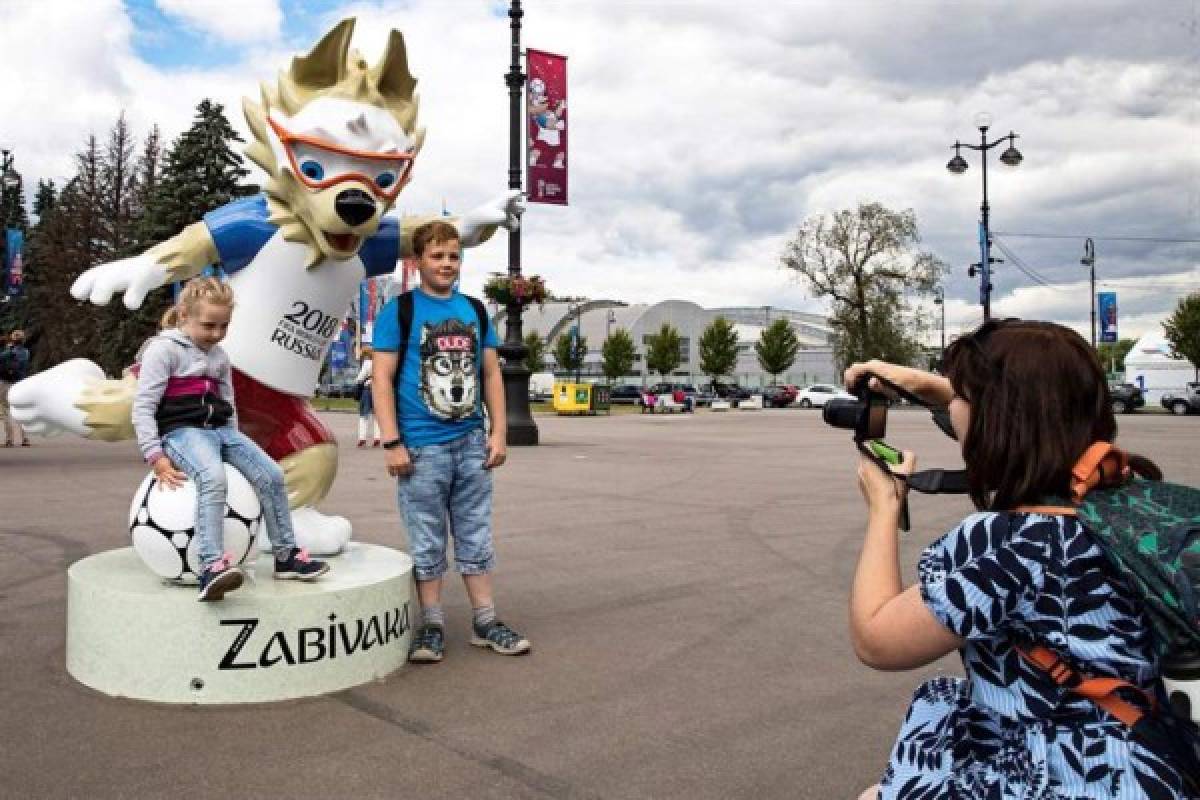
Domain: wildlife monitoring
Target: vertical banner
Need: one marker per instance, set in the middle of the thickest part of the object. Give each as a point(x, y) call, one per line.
point(372, 294)
point(546, 107)
point(14, 263)
point(1106, 313)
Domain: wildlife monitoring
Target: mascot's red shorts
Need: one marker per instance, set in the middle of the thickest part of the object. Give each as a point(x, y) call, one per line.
point(281, 424)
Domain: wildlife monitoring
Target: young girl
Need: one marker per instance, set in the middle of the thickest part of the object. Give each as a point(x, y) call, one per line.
point(1026, 399)
point(187, 427)
point(366, 408)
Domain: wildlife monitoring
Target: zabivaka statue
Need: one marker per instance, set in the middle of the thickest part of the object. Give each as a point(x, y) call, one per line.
point(337, 139)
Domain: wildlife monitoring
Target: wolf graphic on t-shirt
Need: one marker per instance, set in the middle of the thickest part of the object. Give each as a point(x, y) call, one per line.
point(449, 378)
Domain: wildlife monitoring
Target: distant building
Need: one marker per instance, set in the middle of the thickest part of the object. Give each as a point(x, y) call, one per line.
point(599, 318)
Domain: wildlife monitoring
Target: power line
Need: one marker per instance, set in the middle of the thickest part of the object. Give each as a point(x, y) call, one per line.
point(1098, 238)
point(1031, 273)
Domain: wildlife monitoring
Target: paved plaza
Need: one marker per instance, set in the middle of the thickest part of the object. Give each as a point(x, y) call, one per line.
point(684, 580)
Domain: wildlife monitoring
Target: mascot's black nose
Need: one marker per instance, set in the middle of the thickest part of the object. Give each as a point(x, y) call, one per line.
point(354, 206)
point(456, 394)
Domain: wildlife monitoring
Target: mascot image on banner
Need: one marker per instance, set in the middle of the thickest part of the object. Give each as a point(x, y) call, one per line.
point(337, 139)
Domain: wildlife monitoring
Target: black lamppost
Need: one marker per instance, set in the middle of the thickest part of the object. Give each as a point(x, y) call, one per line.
point(521, 428)
point(958, 165)
point(1089, 261)
point(939, 298)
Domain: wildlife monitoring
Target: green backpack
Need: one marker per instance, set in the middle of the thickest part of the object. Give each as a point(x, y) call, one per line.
point(1150, 530)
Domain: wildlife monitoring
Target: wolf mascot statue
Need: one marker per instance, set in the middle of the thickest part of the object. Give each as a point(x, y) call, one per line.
point(337, 139)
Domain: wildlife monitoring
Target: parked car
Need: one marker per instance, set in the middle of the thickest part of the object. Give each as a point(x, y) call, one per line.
point(1126, 398)
point(731, 391)
point(626, 394)
point(343, 389)
point(778, 396)
point(1185, 402)
point(818, 394)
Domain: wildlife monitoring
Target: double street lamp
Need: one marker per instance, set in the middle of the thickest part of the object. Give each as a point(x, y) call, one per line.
point(958, 165)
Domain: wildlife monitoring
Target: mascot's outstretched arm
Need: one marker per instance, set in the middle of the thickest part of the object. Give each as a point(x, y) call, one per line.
point(475, 227)
point(181, 257)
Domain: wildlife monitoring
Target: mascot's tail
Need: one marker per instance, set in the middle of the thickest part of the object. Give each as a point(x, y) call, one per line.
point(75, 397)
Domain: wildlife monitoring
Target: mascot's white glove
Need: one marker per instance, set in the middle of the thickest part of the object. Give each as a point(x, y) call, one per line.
point(45, 403)
point(136, 276)
point(504, 210)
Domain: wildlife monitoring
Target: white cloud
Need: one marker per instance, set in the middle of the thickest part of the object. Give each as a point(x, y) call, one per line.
point(234, 21)
point(703, 133)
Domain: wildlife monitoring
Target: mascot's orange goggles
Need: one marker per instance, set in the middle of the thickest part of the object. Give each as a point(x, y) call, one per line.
point(319, 164)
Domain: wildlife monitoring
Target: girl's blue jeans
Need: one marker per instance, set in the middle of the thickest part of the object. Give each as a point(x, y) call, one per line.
point(201, 453)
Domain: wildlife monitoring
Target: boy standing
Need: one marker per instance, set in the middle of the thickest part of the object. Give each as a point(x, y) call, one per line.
point(434, 347)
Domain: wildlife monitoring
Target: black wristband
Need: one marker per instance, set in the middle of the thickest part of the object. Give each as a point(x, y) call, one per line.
point(392, 444)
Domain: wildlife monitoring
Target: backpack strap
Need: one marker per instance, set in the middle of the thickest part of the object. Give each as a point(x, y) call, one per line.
point(1101, 691)
point(1053, 511)
point(1101, 465)
point(482, 315)
point(404, 316)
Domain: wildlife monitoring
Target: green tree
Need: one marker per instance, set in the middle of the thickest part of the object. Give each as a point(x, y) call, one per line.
point(718, 349)
point(776, 348)
point(618, 352)
point(1183, 331)
point(535, 352)
point(1112, 354)
point(864, 261)
point(662, 355)
point(570, 351)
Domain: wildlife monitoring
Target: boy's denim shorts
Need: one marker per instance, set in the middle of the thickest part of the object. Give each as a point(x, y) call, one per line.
point(449, 491)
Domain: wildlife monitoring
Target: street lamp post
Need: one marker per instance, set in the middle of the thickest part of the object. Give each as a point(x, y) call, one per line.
point(958, 165)
point(1089, 261)
point(7, 181)
point(521, 428)
point(939, 298)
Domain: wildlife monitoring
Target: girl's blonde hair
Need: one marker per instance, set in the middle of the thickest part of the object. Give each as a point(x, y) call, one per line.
point(196, 291)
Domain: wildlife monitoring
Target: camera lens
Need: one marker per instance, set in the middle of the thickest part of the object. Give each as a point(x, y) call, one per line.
point(841, 412)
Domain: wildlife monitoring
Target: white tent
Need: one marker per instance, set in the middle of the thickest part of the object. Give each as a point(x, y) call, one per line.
point(1150, 366)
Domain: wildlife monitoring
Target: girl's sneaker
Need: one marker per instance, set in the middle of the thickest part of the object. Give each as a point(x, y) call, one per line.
point(218, 579)
point(428, 644)
point(298, 566)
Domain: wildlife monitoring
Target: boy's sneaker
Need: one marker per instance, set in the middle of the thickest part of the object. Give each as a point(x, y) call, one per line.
point(218, 579)
point(501, 638)
point(298, 566)
point(428, 644)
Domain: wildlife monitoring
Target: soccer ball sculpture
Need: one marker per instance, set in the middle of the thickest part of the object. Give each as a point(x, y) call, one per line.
point(162, 525)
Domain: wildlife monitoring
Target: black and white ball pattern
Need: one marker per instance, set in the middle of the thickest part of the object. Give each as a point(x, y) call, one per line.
point(162, 525)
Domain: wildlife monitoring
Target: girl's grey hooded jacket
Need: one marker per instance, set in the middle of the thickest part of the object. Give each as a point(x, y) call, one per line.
point(180, 385)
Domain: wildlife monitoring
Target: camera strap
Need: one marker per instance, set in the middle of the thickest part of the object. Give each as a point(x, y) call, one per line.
point(939, 481)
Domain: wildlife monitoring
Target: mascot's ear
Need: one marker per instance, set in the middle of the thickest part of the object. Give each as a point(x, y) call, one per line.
point(391, 76)
point(325, 66)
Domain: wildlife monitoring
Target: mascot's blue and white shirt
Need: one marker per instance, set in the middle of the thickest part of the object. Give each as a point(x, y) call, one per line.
point(440, 389)
point(286, 316)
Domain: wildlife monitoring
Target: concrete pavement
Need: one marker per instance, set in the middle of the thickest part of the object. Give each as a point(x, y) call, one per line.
point(683, 578)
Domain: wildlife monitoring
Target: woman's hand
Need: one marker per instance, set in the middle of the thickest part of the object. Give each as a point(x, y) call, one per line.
point(933, 389)
point(884, 492)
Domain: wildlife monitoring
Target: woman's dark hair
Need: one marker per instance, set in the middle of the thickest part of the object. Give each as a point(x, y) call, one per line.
point(1038, 399)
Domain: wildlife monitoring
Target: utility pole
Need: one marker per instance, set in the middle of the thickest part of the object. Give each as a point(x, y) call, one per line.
point(1089, 261)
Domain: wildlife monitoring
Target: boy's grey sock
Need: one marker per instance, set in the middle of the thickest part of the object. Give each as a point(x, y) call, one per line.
point(433, 615)
point(483, 616)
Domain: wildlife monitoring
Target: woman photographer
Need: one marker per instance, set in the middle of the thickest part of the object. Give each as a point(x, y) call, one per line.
point(1026, 399)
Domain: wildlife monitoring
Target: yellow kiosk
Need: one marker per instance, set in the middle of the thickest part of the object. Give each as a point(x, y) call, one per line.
point(580, 398)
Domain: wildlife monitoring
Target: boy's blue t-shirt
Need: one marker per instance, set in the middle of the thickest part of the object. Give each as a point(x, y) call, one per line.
point(440, 391)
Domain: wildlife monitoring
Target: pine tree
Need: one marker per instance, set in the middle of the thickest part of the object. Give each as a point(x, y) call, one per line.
point(45, 199)
point(618, 354)
point(718, 349)
point(663, 354)
point(777, 348)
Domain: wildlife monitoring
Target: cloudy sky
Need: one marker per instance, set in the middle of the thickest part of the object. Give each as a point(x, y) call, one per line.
point(703, 133)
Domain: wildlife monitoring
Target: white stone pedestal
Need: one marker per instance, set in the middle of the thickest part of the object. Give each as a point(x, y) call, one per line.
point(130, 634)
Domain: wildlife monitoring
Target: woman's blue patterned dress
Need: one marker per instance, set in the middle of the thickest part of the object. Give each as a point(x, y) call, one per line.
point(1007, 731)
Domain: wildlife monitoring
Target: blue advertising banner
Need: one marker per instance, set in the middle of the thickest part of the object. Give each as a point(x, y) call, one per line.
point(14, 263)
point(1106, 314)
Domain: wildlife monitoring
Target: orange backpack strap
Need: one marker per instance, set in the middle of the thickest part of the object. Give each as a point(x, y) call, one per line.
point(1101, 691)
point(1053, 511)
point(1101, 465)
